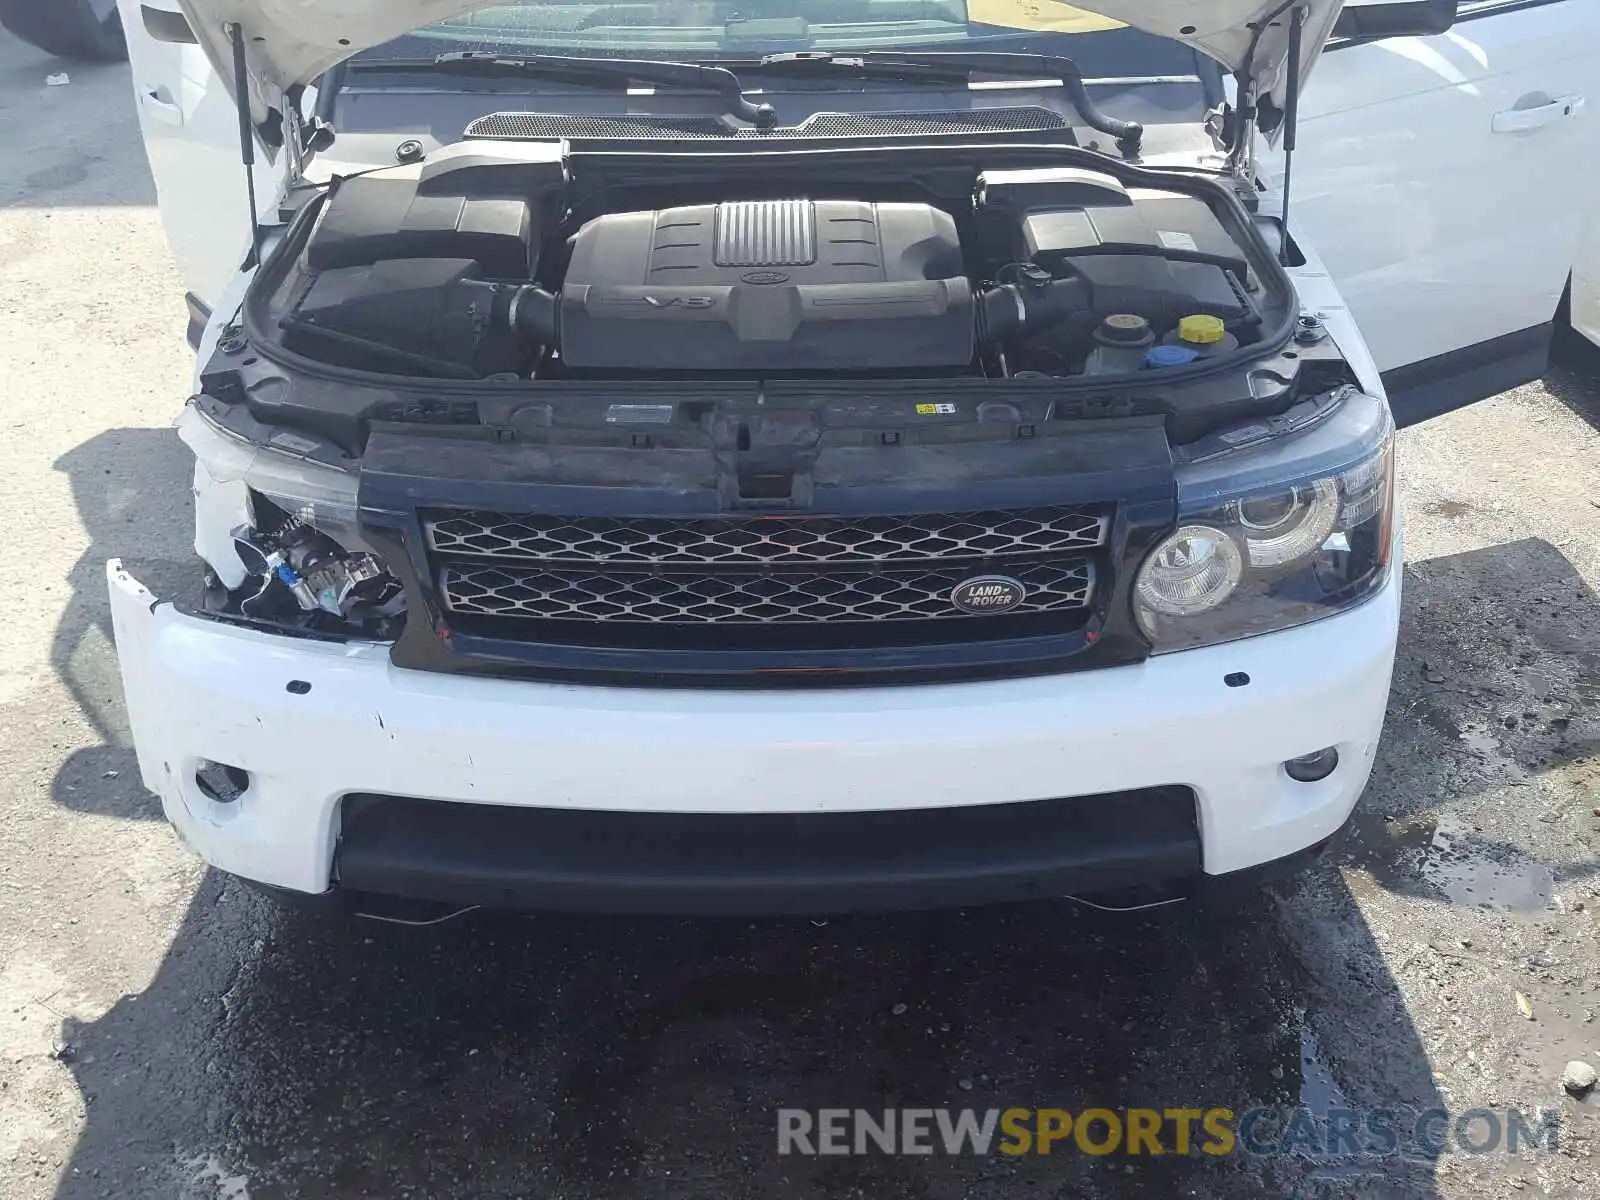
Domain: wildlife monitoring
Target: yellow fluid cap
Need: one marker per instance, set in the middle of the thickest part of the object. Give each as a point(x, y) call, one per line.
point(1201, 330)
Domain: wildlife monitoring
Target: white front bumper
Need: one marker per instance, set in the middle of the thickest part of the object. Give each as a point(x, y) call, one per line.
point(200, 689)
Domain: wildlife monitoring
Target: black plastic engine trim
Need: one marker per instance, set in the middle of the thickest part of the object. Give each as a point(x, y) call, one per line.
point(659, 165)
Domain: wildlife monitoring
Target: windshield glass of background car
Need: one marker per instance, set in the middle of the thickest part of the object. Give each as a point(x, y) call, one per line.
point(707, 30)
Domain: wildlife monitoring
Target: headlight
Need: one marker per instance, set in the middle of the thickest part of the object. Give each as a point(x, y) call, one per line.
point(284, 469)
point(1274, 535)
point(280, 530)
point(1191, 572)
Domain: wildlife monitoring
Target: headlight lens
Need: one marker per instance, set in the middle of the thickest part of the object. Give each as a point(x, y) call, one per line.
point(1285, 526)
point(1191, 572)
point(282, 469)
point(1276, 535)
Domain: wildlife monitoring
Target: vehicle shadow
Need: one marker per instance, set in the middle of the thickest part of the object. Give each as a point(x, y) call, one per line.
point(131, 488)
point(1515, 628)
point(1495, 691)
point(578, 1057)
point(1574, 375)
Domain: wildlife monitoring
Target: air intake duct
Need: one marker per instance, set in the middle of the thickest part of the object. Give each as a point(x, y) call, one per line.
point(440, 317)
point(1012, 310)
point(786, 284)
point(1001, 313)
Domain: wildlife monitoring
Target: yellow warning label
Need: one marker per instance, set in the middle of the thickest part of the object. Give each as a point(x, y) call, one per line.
point(1045, 15)
point(935, 410)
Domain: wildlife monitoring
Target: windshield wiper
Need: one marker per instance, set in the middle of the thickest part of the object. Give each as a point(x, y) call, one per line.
point(719, 80)
point(957, 65)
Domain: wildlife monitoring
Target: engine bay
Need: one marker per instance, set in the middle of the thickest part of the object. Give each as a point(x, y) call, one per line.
point(517, 327)
point(473, 268)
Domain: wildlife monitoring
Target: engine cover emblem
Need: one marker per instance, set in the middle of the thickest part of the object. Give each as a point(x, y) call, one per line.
point(988, 595)
point(679, 301)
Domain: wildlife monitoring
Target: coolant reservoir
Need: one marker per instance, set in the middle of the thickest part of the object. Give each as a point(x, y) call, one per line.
point(1120, 344)
point(1205, 335)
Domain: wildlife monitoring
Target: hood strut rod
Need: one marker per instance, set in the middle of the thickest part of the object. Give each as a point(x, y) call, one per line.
point(1291, 118)
point(247, 136)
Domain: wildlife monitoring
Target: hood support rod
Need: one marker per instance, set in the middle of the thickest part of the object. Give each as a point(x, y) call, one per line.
point(247, 136)
point(1291, 119)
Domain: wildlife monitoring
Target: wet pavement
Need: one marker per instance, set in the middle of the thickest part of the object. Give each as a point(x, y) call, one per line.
point(166, 1033)
point(571, 1057)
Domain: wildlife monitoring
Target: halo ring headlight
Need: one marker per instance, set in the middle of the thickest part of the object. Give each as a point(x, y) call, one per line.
point(1287, 526)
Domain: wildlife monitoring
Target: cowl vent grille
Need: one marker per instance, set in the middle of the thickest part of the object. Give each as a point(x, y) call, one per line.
point(537, 126)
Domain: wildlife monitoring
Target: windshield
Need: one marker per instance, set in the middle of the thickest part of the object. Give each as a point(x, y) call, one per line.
point(706, 30)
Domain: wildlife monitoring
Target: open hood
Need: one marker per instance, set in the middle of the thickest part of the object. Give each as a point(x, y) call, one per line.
point(289, 42)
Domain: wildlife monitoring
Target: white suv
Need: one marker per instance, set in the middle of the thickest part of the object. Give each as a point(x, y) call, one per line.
point(819, 455)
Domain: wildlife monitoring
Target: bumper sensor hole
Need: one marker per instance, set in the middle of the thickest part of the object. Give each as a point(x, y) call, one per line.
point(221, 782)
point(1309, 768)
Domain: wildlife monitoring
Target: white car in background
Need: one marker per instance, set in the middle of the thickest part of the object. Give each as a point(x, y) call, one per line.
point(816, 456)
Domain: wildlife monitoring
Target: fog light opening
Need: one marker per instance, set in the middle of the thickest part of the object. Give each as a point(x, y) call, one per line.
point(1309, 768)
point(221, 782)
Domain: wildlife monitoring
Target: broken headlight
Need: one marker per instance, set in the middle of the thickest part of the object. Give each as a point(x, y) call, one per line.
point(276, 522)
point(1279, 523)
point(293, 568)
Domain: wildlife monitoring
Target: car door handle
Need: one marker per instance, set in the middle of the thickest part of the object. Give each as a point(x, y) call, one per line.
point(1541, 110)
point(159, 107)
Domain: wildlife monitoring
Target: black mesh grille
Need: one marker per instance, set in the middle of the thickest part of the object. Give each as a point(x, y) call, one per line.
point(745, 597)
point(541, 126)
point(763, 581)
point(710, 541)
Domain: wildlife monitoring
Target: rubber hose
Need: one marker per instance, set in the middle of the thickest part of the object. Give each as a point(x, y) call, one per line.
point(1011, 308)
point(1000, 313)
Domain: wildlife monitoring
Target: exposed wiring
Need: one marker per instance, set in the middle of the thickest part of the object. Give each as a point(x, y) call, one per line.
point(1239, 154)
point(1255, 36)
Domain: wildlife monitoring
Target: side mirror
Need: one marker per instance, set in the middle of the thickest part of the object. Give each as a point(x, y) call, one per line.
point(1408, 18)
point(164, 25)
